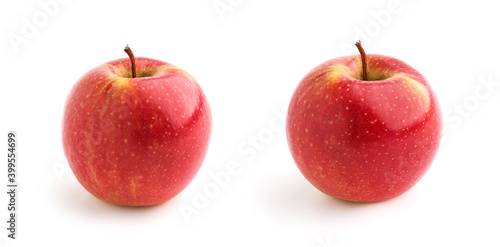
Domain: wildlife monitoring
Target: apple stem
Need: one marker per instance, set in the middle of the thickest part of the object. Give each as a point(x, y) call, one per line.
point(363, 60)
point(132, 59)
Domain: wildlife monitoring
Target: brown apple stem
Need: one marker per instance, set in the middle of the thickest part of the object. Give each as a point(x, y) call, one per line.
point(132, 59)
point(363, 60)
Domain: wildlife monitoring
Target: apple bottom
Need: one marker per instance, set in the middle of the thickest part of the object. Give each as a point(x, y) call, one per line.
point(366, 175)
point(146, 176)
point(136, 191)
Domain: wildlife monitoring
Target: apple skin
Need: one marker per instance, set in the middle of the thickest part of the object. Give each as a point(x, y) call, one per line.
point(136, 141)
point(363, 141)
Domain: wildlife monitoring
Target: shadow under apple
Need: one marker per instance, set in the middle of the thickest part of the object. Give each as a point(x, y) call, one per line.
point(293, 198)
point(74, 201)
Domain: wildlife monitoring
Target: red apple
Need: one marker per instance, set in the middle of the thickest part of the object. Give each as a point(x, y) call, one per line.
point(362, 137)
point(139, 139)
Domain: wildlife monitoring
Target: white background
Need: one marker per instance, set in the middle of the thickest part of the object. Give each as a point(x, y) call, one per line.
point(248, 60)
